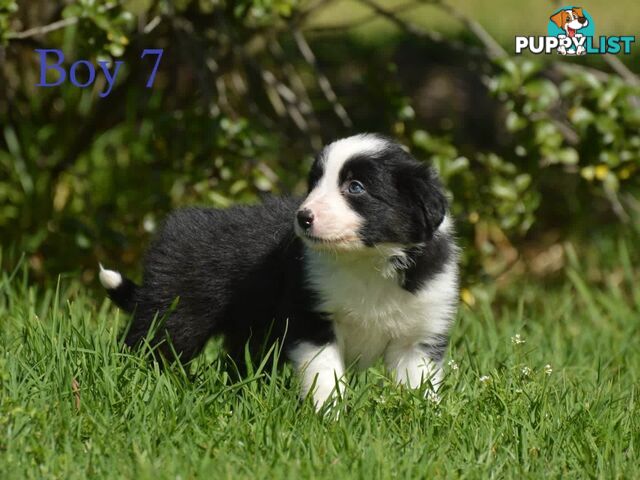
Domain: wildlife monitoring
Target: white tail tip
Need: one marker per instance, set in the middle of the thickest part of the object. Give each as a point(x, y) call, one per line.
point(110, 279)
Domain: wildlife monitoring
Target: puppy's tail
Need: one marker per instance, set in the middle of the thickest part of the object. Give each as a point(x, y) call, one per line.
point(121, 290)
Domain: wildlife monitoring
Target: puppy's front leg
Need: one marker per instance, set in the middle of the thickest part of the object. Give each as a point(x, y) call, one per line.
point(321, 368)
point(416, 363)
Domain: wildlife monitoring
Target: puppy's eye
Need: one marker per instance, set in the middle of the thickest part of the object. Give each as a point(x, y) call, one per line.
point(355, 187)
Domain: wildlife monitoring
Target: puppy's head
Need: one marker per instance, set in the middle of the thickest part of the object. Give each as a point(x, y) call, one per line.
point(366, 191)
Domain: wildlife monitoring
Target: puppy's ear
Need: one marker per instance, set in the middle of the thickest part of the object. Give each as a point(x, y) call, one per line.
point(426, 193)
point(578, 11)
point(557, 18)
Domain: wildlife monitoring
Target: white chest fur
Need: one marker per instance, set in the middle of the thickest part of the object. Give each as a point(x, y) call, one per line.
point(370, 309)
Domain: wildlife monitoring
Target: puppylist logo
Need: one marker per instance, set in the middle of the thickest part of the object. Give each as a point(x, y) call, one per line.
point(571, 31)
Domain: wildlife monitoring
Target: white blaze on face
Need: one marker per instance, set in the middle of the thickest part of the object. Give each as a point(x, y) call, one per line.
point(334, 220)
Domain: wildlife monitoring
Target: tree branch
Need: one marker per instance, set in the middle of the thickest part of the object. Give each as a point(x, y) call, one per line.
point(621, 69)
point(43, 30)
point(420, 32)
point(493, 48)
point(361, 21)
point(302, 15)
point(297, 84)
point(291, 102)
point(323, 81)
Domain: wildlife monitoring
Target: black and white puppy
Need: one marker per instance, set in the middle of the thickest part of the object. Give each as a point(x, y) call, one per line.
point(364, 267)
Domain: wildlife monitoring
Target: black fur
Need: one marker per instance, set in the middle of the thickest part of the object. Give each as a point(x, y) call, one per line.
point(425, 262)
point(124, 295)
point(236, 272)
point(404, 201)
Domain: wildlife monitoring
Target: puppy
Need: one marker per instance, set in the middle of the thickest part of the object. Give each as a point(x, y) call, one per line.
point(364, 267)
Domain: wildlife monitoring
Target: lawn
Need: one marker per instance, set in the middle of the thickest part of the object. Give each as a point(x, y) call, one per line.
point(542, 385)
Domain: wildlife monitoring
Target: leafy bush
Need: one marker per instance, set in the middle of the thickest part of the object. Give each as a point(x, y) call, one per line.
point(241, 102)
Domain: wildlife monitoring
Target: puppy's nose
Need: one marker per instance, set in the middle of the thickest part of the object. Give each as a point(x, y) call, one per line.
point(305, 218)
point(582, 19)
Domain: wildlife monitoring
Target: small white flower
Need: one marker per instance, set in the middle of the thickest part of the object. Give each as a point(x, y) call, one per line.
point(453, 365)
point(433, 397)
point(517, 339)
point(547, 369)
point(526, 371)
point(485, 379)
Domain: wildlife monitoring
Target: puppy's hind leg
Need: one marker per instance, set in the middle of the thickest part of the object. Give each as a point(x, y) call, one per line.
point(169, 331)
point(160, 322)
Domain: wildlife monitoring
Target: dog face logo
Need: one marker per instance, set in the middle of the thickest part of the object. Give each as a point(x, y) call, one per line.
point(571, 23)
point(570, 20)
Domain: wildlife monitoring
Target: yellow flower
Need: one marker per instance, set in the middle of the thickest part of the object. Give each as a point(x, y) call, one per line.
point(467, 297)
point(624, 173)
point(601, 172)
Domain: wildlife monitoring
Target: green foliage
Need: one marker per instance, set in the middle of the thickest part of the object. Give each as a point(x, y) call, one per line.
point(602, 111)
point(103, 28)
point(238, 111)
point(7, 8)
point(264, 12)
point(489, 187)
point(544, 386)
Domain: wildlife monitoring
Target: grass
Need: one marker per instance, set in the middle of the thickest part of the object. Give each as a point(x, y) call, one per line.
point(73, 405)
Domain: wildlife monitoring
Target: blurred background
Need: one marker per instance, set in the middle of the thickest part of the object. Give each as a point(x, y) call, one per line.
point(540, 154)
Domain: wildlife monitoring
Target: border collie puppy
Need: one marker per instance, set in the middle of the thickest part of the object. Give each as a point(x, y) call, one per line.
point(364, 267)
